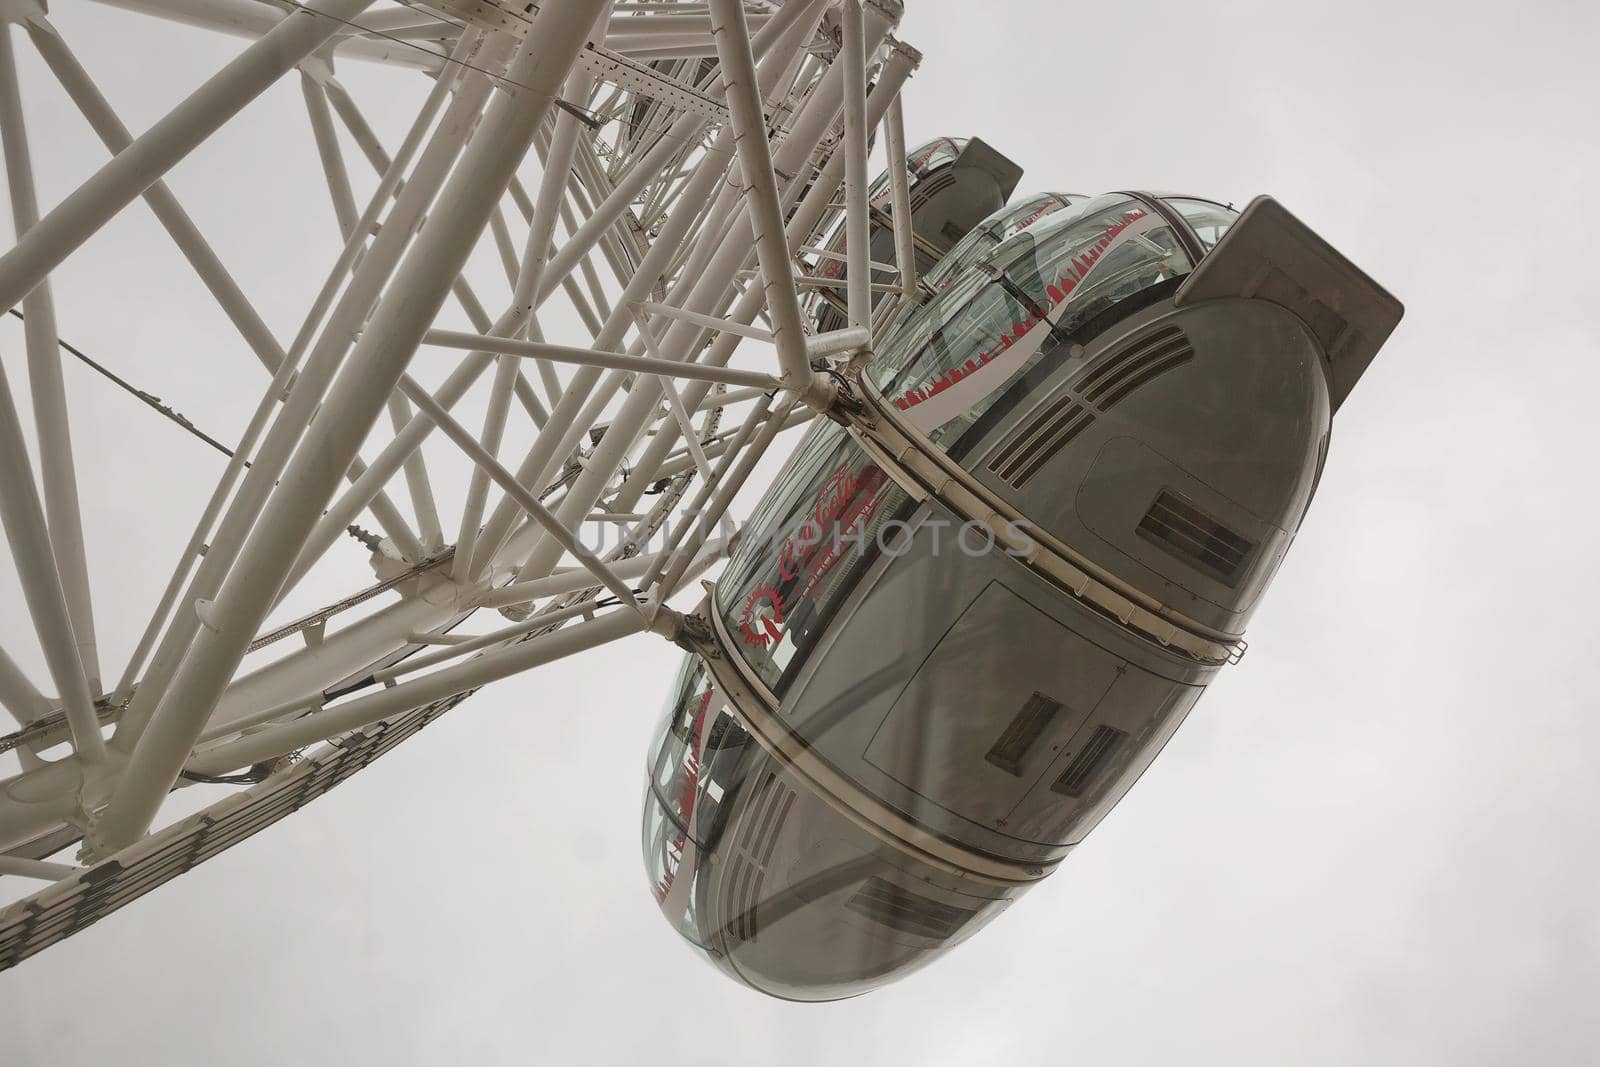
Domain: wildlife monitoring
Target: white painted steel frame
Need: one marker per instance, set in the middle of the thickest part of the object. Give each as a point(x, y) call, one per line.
point(691, 156)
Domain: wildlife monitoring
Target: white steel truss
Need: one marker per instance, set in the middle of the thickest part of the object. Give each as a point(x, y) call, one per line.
point(691, 159)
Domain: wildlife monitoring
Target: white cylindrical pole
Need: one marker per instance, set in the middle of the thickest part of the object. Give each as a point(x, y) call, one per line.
point(905, 249)
point(45, 382)
point(857, 227)
point(29, 538)
point(363, 711)
point(115, 136)
point(371, 373)
point(18, 695)
point(132, 171)
point(760, 188)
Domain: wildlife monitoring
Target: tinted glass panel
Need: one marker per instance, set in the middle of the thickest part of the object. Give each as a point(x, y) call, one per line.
point(1050, 279)
point(1209, 221)
point(804, 549)
point(984, 237)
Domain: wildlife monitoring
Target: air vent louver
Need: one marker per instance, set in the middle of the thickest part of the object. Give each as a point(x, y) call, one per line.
point(900, 909)
point(1026, 728)
point(1039, 439)
point(1136, 364)
point(1081, 772)
point(927, 188)
point(1102, 385)
point(1176, 525)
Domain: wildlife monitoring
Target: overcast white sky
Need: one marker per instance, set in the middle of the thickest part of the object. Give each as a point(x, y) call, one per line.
point(1373, 842)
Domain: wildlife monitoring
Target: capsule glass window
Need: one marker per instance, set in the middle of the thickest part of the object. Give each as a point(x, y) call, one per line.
point(1045, 285)
point(1009, 220)
point(806, 546)
point(695, 768)
point(1208, 220)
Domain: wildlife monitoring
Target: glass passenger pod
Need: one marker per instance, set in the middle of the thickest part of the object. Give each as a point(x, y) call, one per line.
point(955, 183)
point(921, 162)
point(834, 511)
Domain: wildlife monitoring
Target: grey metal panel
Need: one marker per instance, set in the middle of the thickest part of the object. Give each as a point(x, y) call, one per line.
point(1148, 710)
point(1244, 418)
point(1125, 479)
point(979, 155)
point(997, 655)
point(1268, 254)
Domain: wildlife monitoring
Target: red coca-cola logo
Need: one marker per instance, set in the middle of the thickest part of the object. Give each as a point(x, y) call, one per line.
point(832, 500)
point(763, 615)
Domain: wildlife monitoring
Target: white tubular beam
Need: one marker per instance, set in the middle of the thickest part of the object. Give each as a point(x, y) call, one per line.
point(45, 382)
point(813, 119)
point(506, 376)
point(378, 259)
point(328, 151)
point(465, 645)
point(902, 60)
point(365, 488)
point(575, 580)
point(560, 437)
point(858, 230)
point(728, 399)
point(710, 322)
point(760, 187)
point(837, 342)
point(635, 25)
point(418, 485)
point(23, 516)
point(404, 447)
point(691, 439)
point(174, 136)
point(252, 19)
point(753, 419)
point(363, 711)
point(26, 868)
point(905, 249)
point(530, 401)
point(566, 580)
point(526, 276)
point(527, 501)
point(371, 372)
point(115, 136)
point(680, 51)
point(685, 129)
point(732, 482)
point(676, 465)
point(588, 357)
point(17, 694)
point(610, 210)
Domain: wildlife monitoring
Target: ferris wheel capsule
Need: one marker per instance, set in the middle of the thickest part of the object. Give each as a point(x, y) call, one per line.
point(955, 184)
point(959, 628)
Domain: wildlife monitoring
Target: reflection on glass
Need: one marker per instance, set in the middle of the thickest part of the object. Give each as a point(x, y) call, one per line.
point(1036, 289)
point(992, 231)
point(1209, 221)
point(809, 541)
